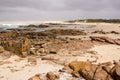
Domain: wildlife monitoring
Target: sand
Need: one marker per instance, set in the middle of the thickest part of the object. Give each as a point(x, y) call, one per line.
point(22, 70)
point(107, 53)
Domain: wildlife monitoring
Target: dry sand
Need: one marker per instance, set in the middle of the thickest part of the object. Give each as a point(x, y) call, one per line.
point(107, 53)
point(20, 69)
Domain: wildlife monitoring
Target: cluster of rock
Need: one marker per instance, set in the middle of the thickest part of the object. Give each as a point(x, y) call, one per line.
point(64, 32)
point(106, 40)
point(36, 26)
point(36, 42)
point(29, 29)
point(21, 43)
point(49, 76)
point(15, 44)
point(103, 32)
point(86, 70)
point(100, 32)
point(19, 46)
point(53, 33)
point(91, 71)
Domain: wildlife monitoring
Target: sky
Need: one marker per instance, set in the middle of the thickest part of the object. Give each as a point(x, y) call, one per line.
point(50, 10)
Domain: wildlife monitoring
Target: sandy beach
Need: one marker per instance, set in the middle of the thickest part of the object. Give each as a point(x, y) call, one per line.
point(55, 47)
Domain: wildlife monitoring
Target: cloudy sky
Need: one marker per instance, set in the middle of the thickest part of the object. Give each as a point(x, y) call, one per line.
point(31, 10)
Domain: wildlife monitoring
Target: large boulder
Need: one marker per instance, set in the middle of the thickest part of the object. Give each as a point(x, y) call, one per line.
point(89, 71)
point(93, 72)
point(20, 46)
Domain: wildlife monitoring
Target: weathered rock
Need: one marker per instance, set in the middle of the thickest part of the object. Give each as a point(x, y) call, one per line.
point(88, 71)
point(8, 35)
point(31, 25)
point(36, 26)
point(97, 39)
point(117, 41)
point(26, 47)
point(93, 72)
point(114, 32)
point(36, 77)
point(52, 76)
point(22, 29)
point(20, 46)
point(78, 66)
point(63, 32)
point(115, 72)
point(100, 32)
point(53, 52)
point(1, 49)
point(108, 40)
point(42, 26)
point(103, 39)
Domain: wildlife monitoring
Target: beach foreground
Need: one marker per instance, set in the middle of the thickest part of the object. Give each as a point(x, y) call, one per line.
point(61, 51)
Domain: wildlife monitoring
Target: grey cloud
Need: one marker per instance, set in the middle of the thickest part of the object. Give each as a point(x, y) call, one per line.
point(58, 9)
point(84, 4)
point(24, 3)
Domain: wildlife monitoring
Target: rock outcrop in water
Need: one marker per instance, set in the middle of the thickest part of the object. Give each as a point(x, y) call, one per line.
point(36, 26)
point(64, 32)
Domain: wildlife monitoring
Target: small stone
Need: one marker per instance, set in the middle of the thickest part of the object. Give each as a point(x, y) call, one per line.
point(53, 52)
point(52, 76)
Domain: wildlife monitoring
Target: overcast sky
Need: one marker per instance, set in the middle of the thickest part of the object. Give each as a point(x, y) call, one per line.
point(30, 10)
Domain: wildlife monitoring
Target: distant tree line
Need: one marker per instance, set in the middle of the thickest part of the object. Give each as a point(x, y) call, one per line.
point(97, 20)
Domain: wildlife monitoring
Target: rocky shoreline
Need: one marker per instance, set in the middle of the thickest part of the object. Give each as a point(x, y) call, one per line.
point(62, 58)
